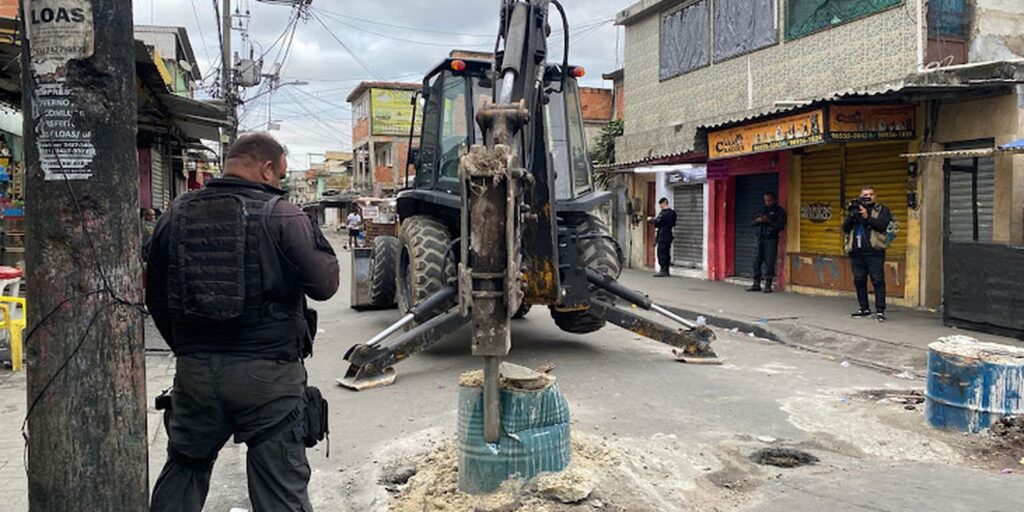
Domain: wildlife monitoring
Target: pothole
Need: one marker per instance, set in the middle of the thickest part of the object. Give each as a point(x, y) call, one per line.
point(783, 457)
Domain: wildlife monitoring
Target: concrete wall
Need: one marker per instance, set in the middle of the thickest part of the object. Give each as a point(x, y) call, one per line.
point(662, 116)
point(1001, 119)
point(998, 30)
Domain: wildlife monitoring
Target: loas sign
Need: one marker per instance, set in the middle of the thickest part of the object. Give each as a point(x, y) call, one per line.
point(58, 30)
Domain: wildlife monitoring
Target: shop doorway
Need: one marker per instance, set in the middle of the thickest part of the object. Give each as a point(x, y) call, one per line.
point(750, 190)
point(688, 247)
point(652, 211)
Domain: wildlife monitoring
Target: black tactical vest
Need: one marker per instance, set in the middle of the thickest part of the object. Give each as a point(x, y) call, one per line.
point(220, 251)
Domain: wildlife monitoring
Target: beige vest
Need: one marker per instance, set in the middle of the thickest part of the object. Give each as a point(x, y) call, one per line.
point(879, 241)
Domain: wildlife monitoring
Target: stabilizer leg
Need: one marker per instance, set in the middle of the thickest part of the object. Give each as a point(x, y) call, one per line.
point(692, 345)
point(371, 365)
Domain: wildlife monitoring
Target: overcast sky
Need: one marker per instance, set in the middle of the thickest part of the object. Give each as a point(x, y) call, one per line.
point(393, 40)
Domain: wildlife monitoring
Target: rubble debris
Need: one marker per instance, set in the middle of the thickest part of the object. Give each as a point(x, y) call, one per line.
point(512, 376)
point(573, 485)
point(398, 475)
point(783, 457)
point(434, 486)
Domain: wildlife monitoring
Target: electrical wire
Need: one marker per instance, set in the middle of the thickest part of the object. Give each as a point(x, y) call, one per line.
point(404, 27)
point(405, 40)
point(354, 56)
point(202, 35)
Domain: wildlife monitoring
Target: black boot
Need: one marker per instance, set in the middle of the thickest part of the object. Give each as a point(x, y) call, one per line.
point(768, 286)
point(756, 287)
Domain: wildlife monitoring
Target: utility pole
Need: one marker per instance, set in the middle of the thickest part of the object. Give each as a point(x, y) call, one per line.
point(227, 79)
point(87, 440)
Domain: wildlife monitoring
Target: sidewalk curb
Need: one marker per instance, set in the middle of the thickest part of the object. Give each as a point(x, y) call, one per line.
point(787, 337)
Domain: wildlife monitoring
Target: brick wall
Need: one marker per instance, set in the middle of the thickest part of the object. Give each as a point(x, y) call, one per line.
point(596, 104)
point(661, 117)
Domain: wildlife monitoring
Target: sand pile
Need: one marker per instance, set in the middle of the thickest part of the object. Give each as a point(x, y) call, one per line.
point(434, 487)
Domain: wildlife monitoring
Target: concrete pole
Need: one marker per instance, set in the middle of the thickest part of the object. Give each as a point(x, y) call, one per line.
point(227, 78)
point(87, 444)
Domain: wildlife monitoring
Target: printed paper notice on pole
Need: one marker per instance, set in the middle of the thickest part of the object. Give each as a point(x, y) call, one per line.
point(65, 151)
point(58, 31)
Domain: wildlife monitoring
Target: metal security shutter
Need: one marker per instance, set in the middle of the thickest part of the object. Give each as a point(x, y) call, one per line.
point(688, 247)
point(986, 197)
point(882, 167)
point(749, 200)
point(821, 208)
point(968, 203)
point(157, 185)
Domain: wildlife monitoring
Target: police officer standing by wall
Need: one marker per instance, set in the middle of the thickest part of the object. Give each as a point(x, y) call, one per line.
point(664, 223)
point(867, 232)
point(768, 223)
point(230, 267)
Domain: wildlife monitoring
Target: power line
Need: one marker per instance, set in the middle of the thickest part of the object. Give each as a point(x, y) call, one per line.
point(392, 25)
point(345, 46)
point(199, 26)
point(405, 40)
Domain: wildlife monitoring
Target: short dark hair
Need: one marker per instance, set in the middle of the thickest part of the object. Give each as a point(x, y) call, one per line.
point(258, 146)
point(663, 200)
point(867, 187)
point(770, 193)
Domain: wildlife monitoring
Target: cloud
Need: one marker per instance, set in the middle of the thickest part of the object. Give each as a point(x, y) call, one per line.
point(391, 39)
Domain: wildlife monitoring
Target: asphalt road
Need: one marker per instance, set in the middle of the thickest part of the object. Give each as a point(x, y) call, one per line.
point(685, 432)
point(696, 425)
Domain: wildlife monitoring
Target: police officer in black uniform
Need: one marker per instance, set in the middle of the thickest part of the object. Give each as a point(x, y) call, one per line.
point(664, 223)
point(230, 267)
point(768, 224)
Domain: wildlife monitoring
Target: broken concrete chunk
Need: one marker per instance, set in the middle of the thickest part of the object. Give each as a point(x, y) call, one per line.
point(512, 376)
point(570, 486)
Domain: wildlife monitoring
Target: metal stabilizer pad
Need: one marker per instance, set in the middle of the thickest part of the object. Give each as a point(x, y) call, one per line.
point(359, 382)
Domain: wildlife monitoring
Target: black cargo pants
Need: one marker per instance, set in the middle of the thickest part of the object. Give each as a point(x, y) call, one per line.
point(766, 257)
point(217, 396)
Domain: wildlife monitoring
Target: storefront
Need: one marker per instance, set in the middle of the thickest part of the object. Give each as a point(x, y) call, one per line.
point(687, 186)
point(815, 160)
point(12, 191)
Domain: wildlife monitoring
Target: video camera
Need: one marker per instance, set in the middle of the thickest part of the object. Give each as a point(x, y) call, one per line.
point(854, 206)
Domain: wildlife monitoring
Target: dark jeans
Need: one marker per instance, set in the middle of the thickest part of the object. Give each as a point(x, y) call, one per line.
point(664, 250)
point(873, 265)
point(767, 256)
point(217, 396)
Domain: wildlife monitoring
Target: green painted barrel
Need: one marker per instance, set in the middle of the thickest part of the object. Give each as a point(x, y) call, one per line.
point(534, 437)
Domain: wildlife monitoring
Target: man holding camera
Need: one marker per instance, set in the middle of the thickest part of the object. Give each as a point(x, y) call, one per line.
point(866, 230)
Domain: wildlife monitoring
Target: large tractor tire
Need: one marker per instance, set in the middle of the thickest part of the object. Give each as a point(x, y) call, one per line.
point(600, 252)
point(383, 271)
point(524, 309)
point(422, 266)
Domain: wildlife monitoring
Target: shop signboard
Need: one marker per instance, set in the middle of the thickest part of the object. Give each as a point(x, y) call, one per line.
point(846, 123)
point(870, 122)
point(792, 131)
point(392, 111)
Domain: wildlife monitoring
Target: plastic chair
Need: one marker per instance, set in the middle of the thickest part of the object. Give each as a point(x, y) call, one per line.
point(14, 326)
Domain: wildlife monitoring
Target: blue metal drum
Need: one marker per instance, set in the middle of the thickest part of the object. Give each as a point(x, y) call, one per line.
point(972, 384)
point(534, 437)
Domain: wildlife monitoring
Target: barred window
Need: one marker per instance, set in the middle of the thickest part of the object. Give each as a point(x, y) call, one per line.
point(805, 17)
point(685, 40)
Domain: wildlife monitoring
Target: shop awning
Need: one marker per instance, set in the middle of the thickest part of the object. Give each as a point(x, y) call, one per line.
point(1015, 147)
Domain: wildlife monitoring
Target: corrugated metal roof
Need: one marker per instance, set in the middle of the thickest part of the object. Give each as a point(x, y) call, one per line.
point(1016, 146)
point(363, 86)
point(957, 153)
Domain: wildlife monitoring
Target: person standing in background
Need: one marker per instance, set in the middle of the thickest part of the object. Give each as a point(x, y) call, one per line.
point(768, 223)
point(664, 223)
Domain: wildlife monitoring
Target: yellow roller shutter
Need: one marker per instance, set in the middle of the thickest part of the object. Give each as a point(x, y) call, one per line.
point(820, 171)
point(880, 166)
